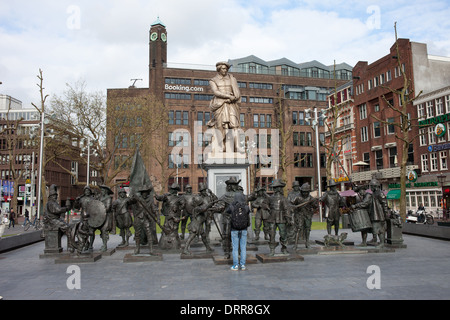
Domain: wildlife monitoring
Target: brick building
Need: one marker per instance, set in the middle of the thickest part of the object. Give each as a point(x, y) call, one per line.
point(264, 85)
point(376, 139)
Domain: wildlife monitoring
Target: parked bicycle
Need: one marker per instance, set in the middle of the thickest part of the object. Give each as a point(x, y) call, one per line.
point(36, 224)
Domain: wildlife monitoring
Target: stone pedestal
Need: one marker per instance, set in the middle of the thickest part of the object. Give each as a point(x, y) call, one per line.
point(53, 242)
point(219, 170)
point(394, 234)
point(279, 257)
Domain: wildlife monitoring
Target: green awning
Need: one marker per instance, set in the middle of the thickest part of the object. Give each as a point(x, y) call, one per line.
point(393, 194)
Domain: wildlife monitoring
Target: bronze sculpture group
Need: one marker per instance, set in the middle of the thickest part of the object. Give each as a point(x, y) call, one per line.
point(291, 214)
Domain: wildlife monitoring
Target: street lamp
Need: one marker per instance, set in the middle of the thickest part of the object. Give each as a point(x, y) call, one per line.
point(315, 126)
point(441, 180)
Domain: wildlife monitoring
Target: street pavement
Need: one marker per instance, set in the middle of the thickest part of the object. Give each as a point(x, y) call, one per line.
point(420, 271)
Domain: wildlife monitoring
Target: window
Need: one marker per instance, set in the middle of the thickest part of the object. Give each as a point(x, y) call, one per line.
point(295, 139)
point(262, 120)
point(242, 119)
point(393, 157)
point(363, 111)
point(294, 118)
point(391, 127)
point(424, 162)
point(410, 154)
point(256, 120)
point(439, 107)
point(185, 118)
point(309, 139)
point(376, 107)
point(430, 109)
point(388, 75)
point(364, 134)
point(421, 111)
point(268, 120)
point(301, 118)
point(379, 159)
point(423, 137)
point(431, 135)
point(177, 117)
point(434, 161)
point(302, 139)
point(376, 129)
point(447, 104)
point(443, 158)
point(171, 117)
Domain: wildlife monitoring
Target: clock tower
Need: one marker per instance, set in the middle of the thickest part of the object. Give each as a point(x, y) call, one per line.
point(158, 57)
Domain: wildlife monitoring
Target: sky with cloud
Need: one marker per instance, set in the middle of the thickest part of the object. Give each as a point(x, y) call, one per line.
point(105, 42)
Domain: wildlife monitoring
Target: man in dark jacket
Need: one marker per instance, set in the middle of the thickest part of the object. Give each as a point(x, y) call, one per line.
point(239, 234)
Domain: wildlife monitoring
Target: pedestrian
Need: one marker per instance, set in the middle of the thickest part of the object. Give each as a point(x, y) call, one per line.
point(12, 216)
point(240, 221)
point(27, 217)
point(3, 223)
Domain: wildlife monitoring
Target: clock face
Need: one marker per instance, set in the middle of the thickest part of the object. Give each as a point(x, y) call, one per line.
point(153, 36)
point(163, 37)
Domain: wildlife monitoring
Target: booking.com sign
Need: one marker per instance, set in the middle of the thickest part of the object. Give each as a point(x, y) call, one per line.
point(247, 142)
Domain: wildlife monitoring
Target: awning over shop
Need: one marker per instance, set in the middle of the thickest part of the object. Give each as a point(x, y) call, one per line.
point(393, 194)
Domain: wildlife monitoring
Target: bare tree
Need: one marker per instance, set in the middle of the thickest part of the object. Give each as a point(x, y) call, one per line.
point(406, 97)
point(334, 143)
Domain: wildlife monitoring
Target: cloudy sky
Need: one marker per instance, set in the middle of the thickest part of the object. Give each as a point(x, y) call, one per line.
point(105, 42)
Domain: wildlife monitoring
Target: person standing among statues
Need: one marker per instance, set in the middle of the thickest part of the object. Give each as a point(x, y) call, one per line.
point(122, 215)
point(333, 201)
point(222, 206)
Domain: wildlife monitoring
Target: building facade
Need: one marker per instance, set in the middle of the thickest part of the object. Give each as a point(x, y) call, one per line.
point(376, 88)
point(19, 157)
point(268, 89)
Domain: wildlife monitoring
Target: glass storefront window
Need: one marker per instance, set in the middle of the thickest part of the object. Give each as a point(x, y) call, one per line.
point(426, 202)
point(433, 198)
point(413, 199)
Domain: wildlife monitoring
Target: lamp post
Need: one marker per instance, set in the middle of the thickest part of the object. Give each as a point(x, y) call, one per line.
point(441, 180)
point(315, 126)
point(41, 152)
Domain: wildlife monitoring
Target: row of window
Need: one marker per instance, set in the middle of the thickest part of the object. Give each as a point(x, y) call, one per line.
point(433, 108)
point(203, 82)
point(286, 70)
point(392, 154)
point(305, 160)
point(434, 161)
point(379, 80)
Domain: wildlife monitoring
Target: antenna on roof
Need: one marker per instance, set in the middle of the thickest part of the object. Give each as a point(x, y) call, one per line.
point(132, 86)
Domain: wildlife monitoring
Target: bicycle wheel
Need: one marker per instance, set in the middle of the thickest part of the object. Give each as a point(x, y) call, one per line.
point(27, 226)
point(430, 219)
